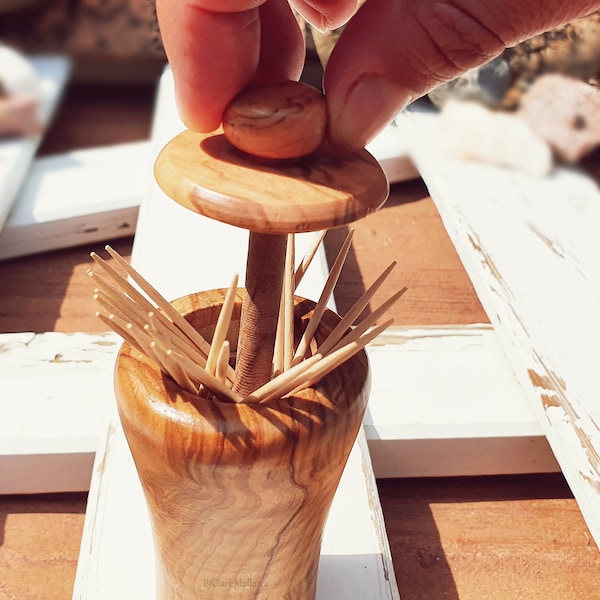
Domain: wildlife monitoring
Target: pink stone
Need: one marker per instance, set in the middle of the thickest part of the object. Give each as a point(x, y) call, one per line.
point(566, 113)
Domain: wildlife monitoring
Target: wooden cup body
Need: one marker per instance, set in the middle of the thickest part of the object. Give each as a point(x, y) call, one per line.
point(238, 494)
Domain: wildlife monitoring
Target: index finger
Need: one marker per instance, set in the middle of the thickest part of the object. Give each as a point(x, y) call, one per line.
point(212, 54)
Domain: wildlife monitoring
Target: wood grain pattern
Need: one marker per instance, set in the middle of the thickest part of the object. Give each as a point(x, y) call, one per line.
point(207, 175)
point(260, 311)
point(281, 120)
point(238, 492)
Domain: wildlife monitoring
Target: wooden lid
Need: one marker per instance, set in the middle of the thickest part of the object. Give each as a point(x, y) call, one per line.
point(207, 175)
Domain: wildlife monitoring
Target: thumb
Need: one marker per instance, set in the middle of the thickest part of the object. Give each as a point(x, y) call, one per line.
point(395, 51)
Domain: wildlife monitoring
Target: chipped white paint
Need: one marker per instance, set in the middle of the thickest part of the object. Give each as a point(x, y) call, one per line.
point(445, 402)
point(55, 391)
point(470, 419)
point(532, 249)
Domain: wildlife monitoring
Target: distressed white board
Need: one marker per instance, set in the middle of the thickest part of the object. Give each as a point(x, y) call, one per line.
point(16, 154)
point(55, 394)
point(470, 419)
point(79, 197)
point(532, 249)
point(445, 402)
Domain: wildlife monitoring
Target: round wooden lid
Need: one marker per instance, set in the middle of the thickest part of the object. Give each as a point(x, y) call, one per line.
point(326, 189)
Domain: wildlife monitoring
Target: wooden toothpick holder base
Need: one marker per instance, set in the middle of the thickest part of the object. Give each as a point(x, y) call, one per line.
point(238, 494)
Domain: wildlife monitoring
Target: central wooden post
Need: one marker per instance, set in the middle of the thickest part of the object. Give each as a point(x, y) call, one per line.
point(260, 311)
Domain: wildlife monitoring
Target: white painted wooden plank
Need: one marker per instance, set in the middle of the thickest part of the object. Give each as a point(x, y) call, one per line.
point(470, 419)
point(16, 154)
point(531, 247)
point(445, 402)
point(355, 564)
point(79, 197)
point(55, 392)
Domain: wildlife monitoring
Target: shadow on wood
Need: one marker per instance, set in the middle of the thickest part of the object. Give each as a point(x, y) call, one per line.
point(463, 511)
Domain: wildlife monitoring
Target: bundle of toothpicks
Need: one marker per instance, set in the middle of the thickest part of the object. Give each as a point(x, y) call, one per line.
point(135, 310)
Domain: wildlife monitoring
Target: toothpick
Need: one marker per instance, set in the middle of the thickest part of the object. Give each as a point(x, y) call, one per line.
point(209, 381)
point(179, 351)
point(111, 321)
point(337, 358)
point(114, 301)
point(222, 327)
point(310, 371)
point(179, 374)
point(223, 361)
point(364, 325)
point(284, 340)
point(321, 305)
point(278, 350)
point(288, 304)
point(171, 337)
point(356, 310)
point(162, 303)
point(271, 388)
point(308, 257)
point(120, 282)
point(123, 292)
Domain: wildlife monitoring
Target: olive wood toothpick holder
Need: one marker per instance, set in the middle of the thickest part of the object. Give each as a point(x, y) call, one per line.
point(239, 491)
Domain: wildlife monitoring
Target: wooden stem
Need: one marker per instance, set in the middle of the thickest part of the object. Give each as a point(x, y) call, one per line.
point(260, 311)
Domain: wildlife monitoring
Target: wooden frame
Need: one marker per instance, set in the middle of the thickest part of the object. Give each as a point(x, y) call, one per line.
point(416, 425)
point(54, 452)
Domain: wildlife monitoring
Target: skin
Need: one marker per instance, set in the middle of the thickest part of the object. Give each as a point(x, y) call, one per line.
point(19, 116)
point(390, 53)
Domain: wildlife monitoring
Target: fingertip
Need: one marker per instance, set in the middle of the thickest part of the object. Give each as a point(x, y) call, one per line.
point(282, 48)
point(195, 113)
point(358, 113)
point(326, 15)
point(212, 56)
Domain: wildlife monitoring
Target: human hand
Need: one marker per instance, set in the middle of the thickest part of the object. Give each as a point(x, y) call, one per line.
point(390, 53)
point(19, 116)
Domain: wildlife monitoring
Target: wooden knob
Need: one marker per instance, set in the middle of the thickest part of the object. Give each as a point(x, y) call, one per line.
point(277, 121)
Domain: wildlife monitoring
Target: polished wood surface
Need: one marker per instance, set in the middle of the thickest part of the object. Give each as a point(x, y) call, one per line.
point(265, 266)
point(223, 175)
point(504, 538)
point(282, 120)
point(207, 175)
point(238, 488)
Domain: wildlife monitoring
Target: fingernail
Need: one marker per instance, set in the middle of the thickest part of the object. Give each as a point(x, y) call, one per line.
point(370, 104)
